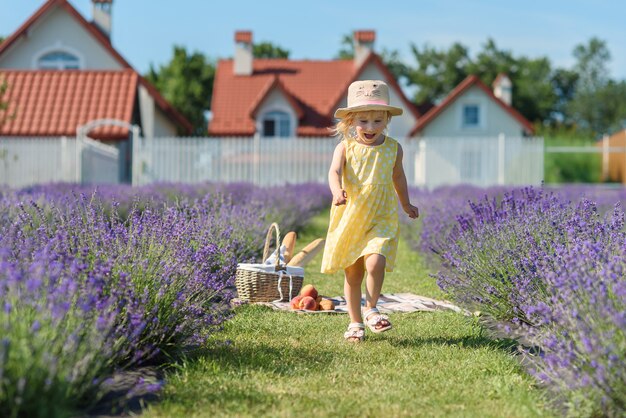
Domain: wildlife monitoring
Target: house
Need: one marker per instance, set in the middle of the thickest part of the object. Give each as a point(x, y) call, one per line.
point(62, 72)
point(472, 109)
point(295, 98)
point(290, 98)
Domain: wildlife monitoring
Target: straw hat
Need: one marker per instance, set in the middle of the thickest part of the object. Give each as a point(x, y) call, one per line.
point(364, 95)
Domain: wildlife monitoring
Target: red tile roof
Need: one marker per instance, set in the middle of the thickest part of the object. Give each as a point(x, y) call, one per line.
point(48, 6)
point(471, 80)
point(55, 103)
point(314, 88)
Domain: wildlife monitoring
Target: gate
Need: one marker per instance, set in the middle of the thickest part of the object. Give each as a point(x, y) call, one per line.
point(102, 163)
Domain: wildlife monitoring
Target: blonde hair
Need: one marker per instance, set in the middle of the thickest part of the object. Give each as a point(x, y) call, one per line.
point(342, 128)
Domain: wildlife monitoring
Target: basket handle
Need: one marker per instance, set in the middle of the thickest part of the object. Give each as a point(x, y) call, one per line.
point(266, 249)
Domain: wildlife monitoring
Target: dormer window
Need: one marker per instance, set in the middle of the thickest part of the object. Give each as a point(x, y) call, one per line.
point(471, 116)
point(58, 60)
point(276, 124)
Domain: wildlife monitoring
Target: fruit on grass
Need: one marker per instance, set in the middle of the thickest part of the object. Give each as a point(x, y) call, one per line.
point(308, 303)
point(326, 305)
point(295, 302)
point(309, 290)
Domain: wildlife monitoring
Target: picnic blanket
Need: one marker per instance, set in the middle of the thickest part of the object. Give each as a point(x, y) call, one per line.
point(387, 303)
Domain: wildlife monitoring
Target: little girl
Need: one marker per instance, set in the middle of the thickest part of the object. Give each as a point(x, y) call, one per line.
point(363, 230)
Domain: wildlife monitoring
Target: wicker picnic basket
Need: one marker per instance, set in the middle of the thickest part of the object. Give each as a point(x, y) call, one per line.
point(267, 283)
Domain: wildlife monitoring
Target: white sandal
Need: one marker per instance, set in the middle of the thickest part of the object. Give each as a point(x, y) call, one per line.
point(355, 332)
point(374, 320)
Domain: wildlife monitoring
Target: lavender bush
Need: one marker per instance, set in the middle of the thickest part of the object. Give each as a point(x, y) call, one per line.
point(488, 260)
point(86, 291)
point(581, 325)
point(556, 269)
point(290, 205)
point(440, 207)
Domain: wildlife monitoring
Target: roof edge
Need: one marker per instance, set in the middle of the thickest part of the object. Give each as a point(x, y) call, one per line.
point(47, 7)
point(464, 85)
point(277, 84)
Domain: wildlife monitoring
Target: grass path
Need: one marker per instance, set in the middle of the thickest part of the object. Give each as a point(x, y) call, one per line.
point(432, 364)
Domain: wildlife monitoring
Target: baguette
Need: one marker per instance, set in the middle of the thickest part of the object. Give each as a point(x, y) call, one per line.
point(289, 241)
point(308, 253)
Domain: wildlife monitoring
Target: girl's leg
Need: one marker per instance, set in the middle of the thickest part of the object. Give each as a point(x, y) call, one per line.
point(375, 266)
point(352, 289)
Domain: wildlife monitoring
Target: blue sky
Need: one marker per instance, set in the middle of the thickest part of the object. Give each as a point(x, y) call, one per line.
point(144, 31)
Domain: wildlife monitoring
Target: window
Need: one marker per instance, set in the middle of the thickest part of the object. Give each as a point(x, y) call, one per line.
point(58, 60)
point(276, 124)
point(471, 116)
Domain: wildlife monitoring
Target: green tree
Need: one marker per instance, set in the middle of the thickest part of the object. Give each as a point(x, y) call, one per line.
point(346, 52)
point(268, 50)
point(187, 83)
point(2, 38)
point(596, 105)
point(564, 85)
point(533, 90)
point(437, 71)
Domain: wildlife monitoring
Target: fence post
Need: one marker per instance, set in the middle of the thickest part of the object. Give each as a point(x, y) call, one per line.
point(257, 158)
point(64, 165)
point(605, 157)
point(501, 159)
point(79, 155)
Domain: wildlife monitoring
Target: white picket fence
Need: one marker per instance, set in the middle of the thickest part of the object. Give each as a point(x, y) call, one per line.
point(479, 161)
point(28, 161)
point(428, 162)
point(270, 161)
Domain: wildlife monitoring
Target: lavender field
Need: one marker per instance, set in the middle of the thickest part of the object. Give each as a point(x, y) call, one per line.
point(547, 263)
point(95, 281)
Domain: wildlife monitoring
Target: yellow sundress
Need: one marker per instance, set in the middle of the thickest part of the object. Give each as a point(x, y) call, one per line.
point(368, 222)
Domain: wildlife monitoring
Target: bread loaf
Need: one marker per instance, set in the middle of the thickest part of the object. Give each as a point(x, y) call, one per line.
point(308, 253)
point(289, 241)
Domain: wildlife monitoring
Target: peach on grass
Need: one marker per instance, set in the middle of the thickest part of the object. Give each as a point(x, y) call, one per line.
point(295, 302)
point(308, 303)
point(309, 290)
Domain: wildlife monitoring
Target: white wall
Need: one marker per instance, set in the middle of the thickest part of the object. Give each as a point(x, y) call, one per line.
point(153, 121)
point(400, 126)
point(58, 30)
point(495, 119)
point(163, 126)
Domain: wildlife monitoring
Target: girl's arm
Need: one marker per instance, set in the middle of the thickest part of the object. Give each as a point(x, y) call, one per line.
point(402, 189)
point(334, 175)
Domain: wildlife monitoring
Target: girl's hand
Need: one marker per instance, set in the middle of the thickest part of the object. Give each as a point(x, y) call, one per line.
point(411, 210)
point(340, 197)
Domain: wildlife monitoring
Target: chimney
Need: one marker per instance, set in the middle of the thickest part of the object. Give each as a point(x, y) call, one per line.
point(503, 88)
point(363, 45)
point(102, 16)
point(243, 52)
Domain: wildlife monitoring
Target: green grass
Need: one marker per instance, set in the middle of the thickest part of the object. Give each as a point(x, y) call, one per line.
point(269, 363)
point(572, 167)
